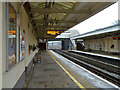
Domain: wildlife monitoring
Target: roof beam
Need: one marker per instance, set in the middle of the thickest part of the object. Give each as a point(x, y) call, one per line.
point(40, 21)
point(48, 11)
point(52, 26)
point(63, 27)
point(61, 5)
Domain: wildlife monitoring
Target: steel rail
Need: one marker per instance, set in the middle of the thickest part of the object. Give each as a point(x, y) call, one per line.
point(107, 71)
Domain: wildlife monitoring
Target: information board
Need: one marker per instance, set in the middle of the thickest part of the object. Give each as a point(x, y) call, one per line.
point(53, 32)
point(11, 35)
point(22, 43)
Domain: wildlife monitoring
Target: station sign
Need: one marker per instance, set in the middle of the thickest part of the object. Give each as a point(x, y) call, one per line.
point(116, 38)
point(53, 32)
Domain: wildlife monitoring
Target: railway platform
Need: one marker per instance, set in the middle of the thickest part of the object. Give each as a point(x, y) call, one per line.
point(99, 54)
point(27, 27)
point(48, 74)
point(55, 71)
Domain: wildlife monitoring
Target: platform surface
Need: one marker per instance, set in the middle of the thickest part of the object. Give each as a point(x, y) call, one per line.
point(96, 54)
point(48, 74)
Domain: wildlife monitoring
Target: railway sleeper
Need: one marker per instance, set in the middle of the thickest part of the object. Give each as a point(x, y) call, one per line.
point(109, 76)
point(103, 65)
point(103, 59)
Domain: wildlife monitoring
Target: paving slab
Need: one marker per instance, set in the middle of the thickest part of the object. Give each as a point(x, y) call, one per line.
point(48, 74)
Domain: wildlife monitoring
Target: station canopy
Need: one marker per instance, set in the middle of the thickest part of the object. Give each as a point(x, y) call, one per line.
point(60, 15)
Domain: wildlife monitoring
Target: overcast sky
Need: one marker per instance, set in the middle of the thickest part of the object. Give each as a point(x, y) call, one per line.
point(102, 19)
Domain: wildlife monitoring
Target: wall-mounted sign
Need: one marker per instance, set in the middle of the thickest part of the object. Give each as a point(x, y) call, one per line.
point(53, 32)
point(11, 28)
point(116, 38)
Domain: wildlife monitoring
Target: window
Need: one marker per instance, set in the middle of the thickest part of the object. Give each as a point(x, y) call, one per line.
point(86, 45)
point(112, 46)
point(94, 45)
point(103, 44)
point(97, 46)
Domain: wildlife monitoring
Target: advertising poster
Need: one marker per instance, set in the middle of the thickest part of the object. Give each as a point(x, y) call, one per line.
point(11, 36)
point(22, 43)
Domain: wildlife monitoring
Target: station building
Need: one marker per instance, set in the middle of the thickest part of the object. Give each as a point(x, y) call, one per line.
point(14, 69)
point(105, 40)
point(19, 37)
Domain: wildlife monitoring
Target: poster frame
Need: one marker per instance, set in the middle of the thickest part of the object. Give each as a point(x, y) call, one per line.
point(23, 34)
point(7, 29)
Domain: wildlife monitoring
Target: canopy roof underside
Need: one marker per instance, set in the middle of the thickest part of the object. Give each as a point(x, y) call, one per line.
point(61, 15)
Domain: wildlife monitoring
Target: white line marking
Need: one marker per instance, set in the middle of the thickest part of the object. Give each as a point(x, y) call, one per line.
point(89, 72)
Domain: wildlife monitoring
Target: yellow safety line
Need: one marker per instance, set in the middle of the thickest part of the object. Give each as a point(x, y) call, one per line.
point(80, 86)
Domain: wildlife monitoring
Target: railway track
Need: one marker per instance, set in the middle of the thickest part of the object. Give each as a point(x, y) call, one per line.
point(105, 68)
